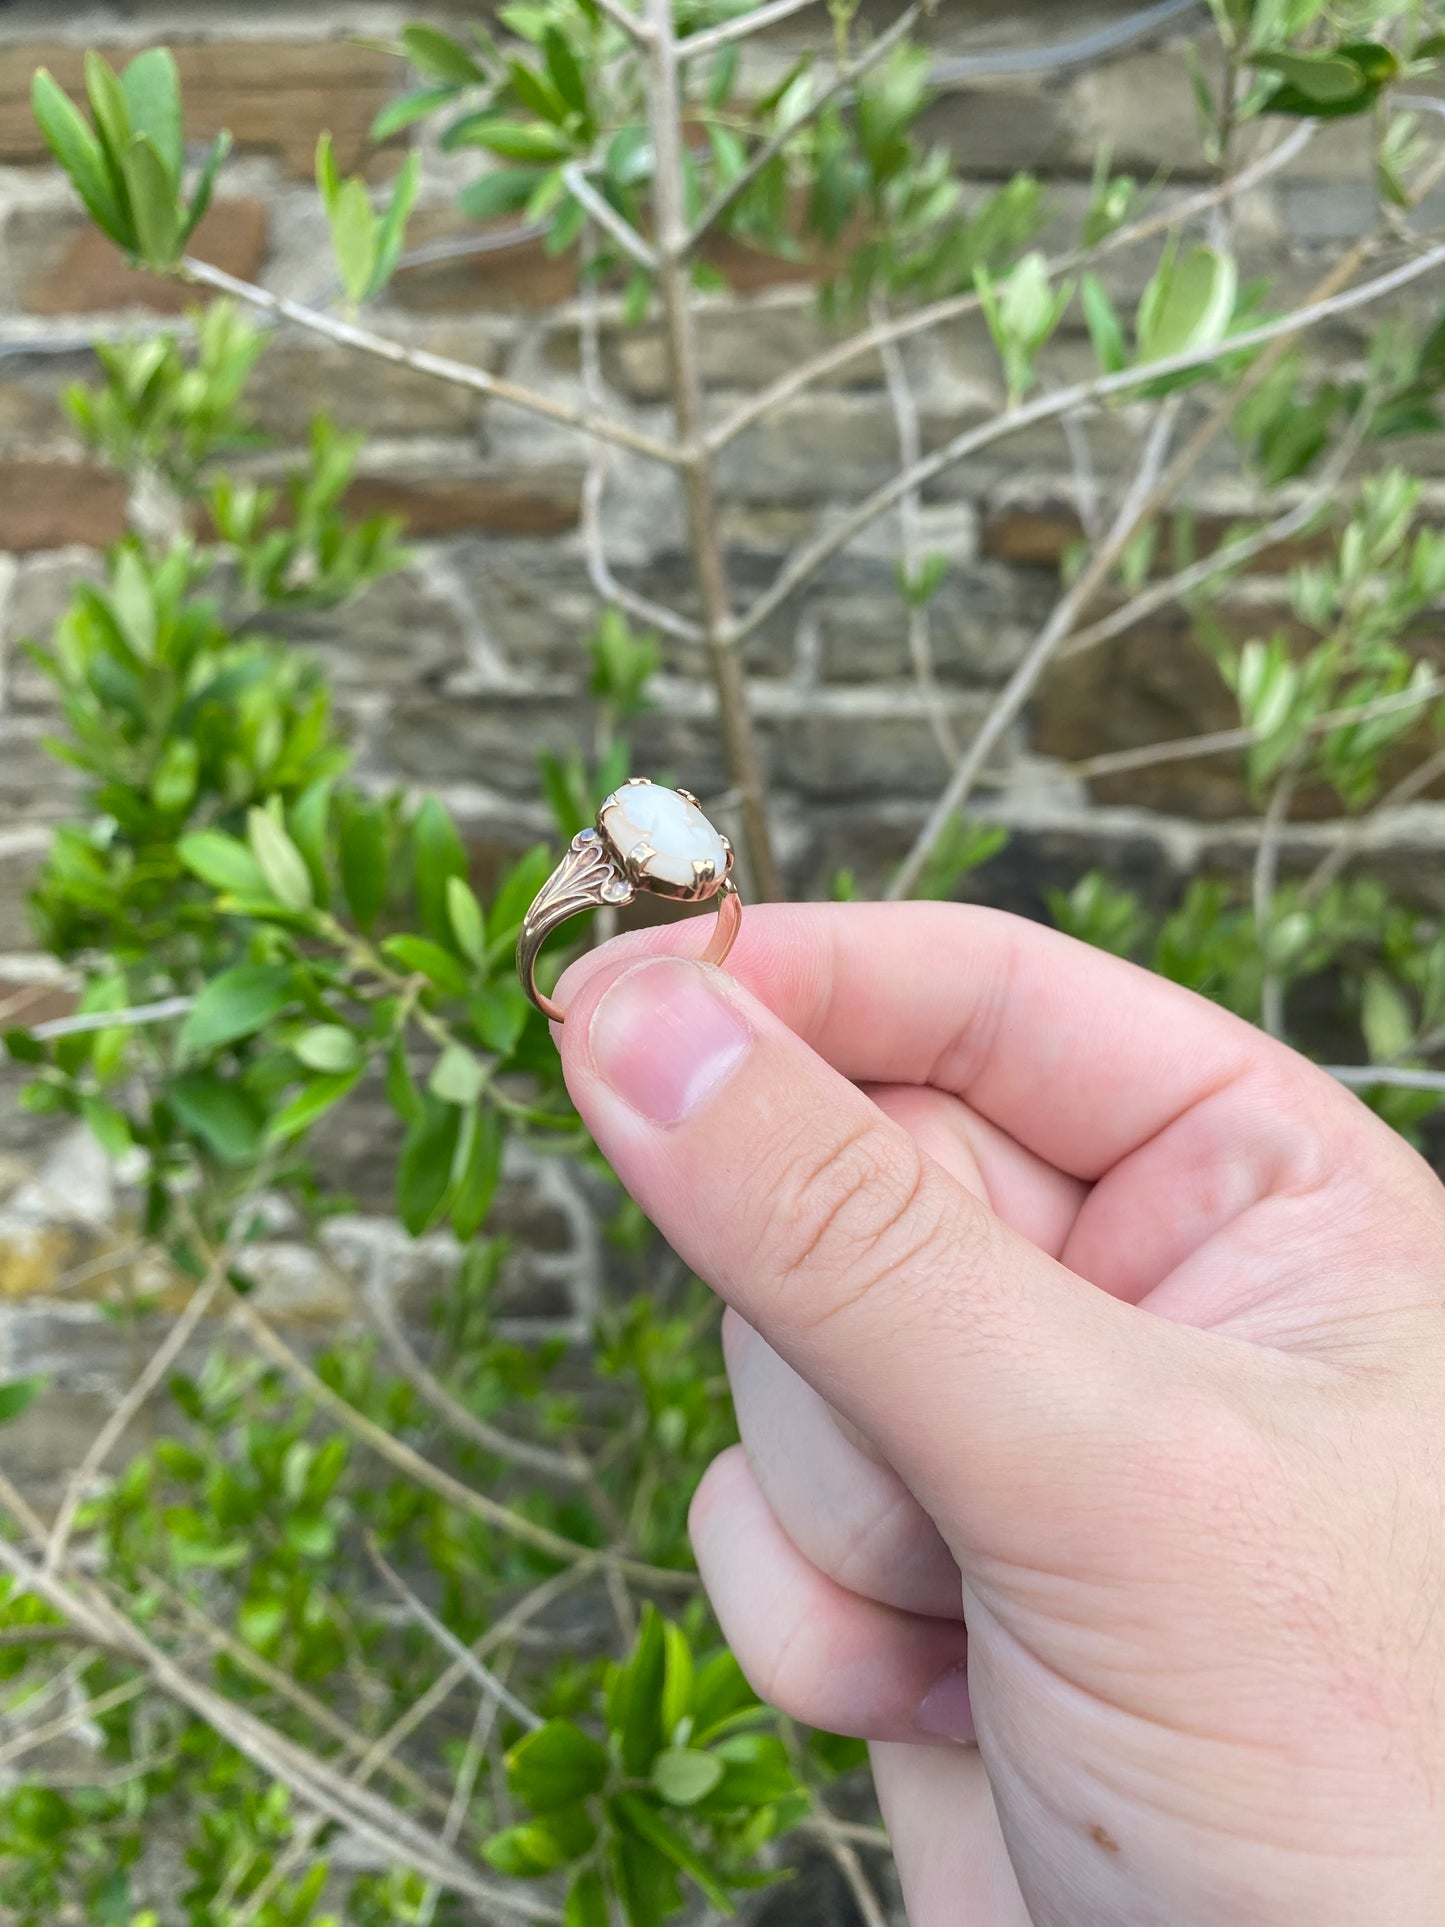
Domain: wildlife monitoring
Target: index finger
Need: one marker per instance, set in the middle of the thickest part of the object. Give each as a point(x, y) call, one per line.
point(1077, 1054)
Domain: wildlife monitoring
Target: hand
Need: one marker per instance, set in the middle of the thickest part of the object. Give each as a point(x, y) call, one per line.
point(1134, 1324)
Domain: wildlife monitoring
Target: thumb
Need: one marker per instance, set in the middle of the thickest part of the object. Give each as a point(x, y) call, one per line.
point(1006, 1391)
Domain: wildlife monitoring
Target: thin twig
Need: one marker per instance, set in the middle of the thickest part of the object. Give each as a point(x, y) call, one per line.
point(743, 28)
point(114, 1428)
point(954, 307)
point(281, 1682)
point(401, 1455)
point(606, 215)
point(67, 1722)
point(1230, 557)
point(423, 362)
point(664, 105)
point(373, 1819)
point(920, 645)
point(134, 1018)
point(621, 16)
point(1020, 685)
point(536, 1458)
point(1362, 1076)
point(1356, 835)
point(1219, 742)
point(448, 1641)
point(594, 482)
point(844, 78)
point(809, 559)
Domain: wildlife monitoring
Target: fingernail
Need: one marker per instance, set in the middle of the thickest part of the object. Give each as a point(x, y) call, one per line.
point(664, 1037)
point(945, 1710)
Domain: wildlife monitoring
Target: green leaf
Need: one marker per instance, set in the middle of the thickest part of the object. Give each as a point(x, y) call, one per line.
point(536, 93)
point(458, 1077)
point(499, 1011)
point(217, 1112)
point(152, 89)
point(678, 1679)
point(662, 1834)
point(480, 1159)
point(586, 1901)
point(354, 236)
point(236, 1004)
point(19, 1395)
point(22, 1048)
point(1324, 79)
point(464, 914)
point(634, 1697)
point(525, 1852)
point(216, 153)
point(440, 856)
point(309, 1104)
point(682, 1775)
point(407, 109)
point(421, 955)
point(327, 1047)
point(1386, 1019)
point(502, 191)
point(108, 1126)
point(565, 74)
point(439, 55)
point(223, 862)
point(281, 863)
point(555, 1766)
point(78, 152)
point(518, 140)
point(328, 180)
point(108, 105)
point(1190, 307)
point(364, 856)
point(757, 1772)
point(401, 1093)
point(1106, 331)
point(392, 229)
point(424, 1173)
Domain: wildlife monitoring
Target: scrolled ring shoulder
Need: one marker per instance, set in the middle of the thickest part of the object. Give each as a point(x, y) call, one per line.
point(647, 838)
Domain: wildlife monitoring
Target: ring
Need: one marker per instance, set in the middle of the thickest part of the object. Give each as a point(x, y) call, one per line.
point(647, 838)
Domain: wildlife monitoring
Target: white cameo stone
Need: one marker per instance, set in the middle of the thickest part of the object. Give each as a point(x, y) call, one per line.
point(676, 830)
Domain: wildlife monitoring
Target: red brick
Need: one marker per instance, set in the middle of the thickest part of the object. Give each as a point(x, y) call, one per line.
point(48, 505)
point(463, 504)
point(276, 96)
point(91, 275)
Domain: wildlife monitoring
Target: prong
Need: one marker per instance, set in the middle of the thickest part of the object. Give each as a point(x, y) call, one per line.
point(726, 842)
point(640, 852)
point(688, 797)
point(704, 870)
point(633, 781)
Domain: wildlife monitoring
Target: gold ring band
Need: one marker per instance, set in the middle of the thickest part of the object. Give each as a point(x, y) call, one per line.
point(659, 842)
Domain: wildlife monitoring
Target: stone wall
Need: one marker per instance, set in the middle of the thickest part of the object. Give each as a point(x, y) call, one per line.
point(456, 673)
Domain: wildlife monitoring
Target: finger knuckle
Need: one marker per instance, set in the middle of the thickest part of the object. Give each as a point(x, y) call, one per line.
point(846, 1215)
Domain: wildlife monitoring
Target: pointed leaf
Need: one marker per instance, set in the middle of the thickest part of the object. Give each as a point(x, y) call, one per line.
point(219, 1113)
point(282, 864)
point(153, 203)
point(458, 1077)
point(309, 1104)
point(223, 862)
point(152, 89)
point(236, 1004)
point(464, 914)
point(201, 199)
point(78, 152)
point(440, 855)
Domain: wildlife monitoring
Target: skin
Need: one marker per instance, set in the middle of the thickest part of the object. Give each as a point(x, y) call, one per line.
point(1089, 1355)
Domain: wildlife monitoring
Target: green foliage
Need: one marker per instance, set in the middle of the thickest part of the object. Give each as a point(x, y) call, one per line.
point(278, 943)
point(127, 166)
